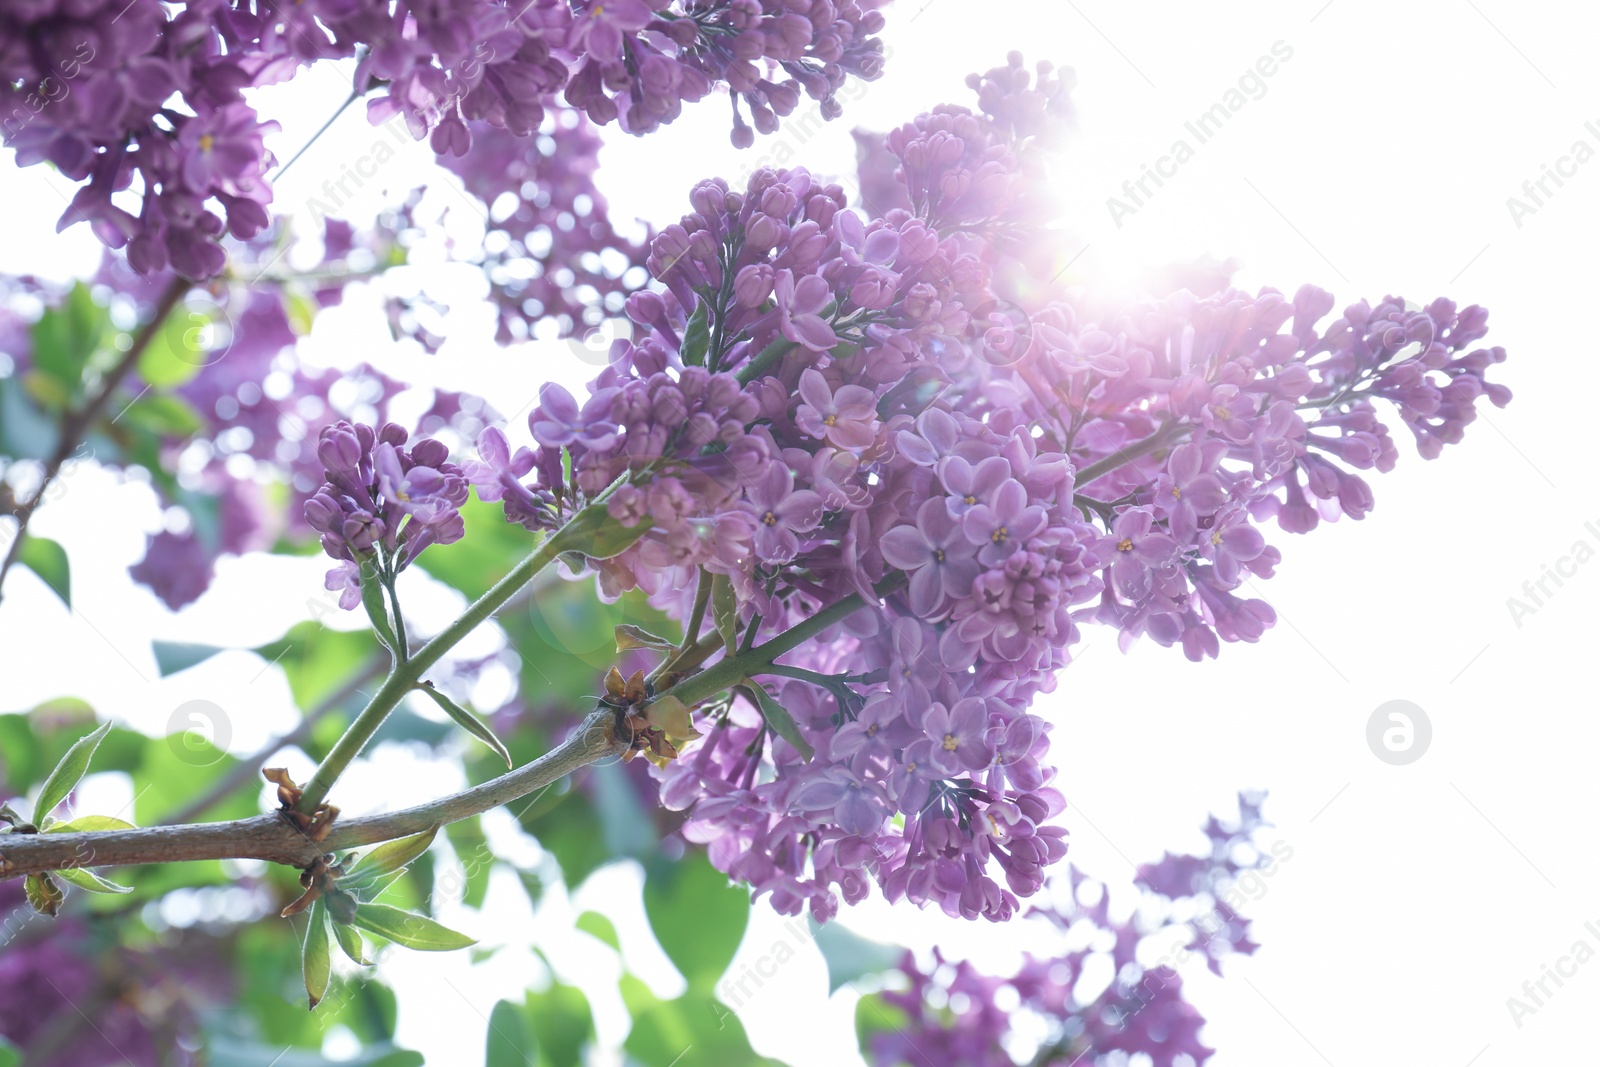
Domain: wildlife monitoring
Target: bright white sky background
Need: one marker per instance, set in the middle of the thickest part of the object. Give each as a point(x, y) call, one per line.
point(1379, 160)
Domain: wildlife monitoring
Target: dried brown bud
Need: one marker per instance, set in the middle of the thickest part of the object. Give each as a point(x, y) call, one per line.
point(288, 792)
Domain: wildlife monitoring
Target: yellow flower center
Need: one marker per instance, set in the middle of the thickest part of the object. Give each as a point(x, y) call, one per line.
point(1177, 493)
point(950, 742)
point(1216, 537)
point(969, 500)
point(770, 519)
point(1125, 545)
point(1000, 534)
point(830, 420)
point(206, 141)
point(1222, 413)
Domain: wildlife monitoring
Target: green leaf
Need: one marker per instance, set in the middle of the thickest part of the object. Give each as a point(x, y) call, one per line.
point(570, 831)
point(90, 882)
point(33, 742)
point(174, 769)
point(597, 535)
point(176, 352)
point(300, 309)
point(388, 857)
point(532, 886)
point(67, 336)
point(596, 925)
point(694, 1028)
point(9, 1056)
point(874, 1016)
point(316, 962)
point(468, 721)
point(48, 560)
point(697, 916)
point(476, 858)
point(88, 824)
point(850, 956)
point(317, 660)
point(561, 1017)
point(350, 941)
point(43, 894)
point(696, 337)
point(69, 772)
point(779, 719)
point(509, 1044)
point(372, 889)
point(377, 609)
point(175, 656)
point(408, 929)
point(163, 415)
point(725, 612)
point(630, 636)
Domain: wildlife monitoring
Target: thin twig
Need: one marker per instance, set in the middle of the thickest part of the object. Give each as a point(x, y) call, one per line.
point(273, 839)
point(355, 94)
point(76, 424)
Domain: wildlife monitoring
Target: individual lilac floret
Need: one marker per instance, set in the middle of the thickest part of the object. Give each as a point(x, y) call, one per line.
point(782, 514)
point(936, 554)
point(846, 417)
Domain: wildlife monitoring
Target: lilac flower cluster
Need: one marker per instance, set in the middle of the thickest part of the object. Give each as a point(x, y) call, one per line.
point(382, 499)
point(147, 97)
point(259, 412)
point(828, 413)
point(953, 1013)
point(85, 86)
point(1190, 421)
point(641, 64)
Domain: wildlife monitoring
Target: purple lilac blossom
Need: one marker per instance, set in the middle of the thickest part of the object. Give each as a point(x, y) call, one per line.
point(381, 495)
point(953, 1013)
point(835, 439)
point(88, 86)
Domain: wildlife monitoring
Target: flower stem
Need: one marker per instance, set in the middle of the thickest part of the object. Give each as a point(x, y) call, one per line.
point(726, 672)
point(404, 651)
point(406, 675)
point(1161, 438)
point(764, 360)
